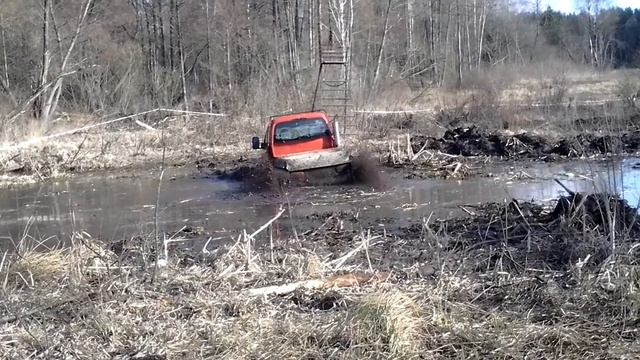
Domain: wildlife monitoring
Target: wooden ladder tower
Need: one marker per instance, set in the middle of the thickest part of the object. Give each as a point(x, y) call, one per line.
point(333, 90)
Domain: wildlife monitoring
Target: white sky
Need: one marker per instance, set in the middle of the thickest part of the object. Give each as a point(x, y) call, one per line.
point(570, 5)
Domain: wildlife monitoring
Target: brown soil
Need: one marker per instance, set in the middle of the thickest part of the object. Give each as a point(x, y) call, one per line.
point(474, 141)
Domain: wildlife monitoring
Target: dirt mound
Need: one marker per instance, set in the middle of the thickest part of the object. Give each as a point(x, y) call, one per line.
point(596, 210)
point(576, 228)
point(474, 141)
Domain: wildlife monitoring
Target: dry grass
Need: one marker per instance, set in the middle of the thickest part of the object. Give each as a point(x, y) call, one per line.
point(388, 322)
point(96, 301)
point(546, 105)
point(121, 146)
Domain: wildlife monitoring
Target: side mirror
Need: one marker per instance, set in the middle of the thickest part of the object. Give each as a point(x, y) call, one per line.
point(328, 132)
point(255, 143)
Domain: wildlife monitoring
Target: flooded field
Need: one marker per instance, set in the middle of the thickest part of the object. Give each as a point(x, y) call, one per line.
point(112, 208)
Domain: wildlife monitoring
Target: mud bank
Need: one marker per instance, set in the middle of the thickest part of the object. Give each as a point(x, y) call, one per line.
point(31, 158)
point(510, 280)
point(474, 141)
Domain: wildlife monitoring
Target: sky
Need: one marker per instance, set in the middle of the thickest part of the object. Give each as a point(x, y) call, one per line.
point(570, 5)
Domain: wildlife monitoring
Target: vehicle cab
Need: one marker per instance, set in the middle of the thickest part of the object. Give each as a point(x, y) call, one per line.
point(303, 141)
point(298, 133)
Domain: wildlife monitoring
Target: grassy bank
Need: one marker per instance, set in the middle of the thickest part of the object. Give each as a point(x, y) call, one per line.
point(512, 281)
point(594, 110)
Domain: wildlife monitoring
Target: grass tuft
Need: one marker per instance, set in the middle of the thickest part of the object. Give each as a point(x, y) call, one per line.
point(33, 267)
point(387, 322)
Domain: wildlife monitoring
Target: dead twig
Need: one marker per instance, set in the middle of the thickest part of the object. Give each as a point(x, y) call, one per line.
point(338, 281)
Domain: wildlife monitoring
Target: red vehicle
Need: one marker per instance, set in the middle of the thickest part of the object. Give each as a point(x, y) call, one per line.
point(306, 144)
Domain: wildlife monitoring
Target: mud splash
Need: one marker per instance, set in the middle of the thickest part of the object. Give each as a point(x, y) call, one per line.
point(257, 175)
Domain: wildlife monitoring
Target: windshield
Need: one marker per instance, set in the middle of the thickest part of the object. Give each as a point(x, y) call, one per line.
point(304, 129)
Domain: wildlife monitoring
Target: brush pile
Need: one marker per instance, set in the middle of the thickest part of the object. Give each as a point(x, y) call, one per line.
point(474, 141)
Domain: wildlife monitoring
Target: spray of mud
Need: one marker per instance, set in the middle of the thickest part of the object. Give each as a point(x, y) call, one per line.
point(366, 171)
point(258, 176)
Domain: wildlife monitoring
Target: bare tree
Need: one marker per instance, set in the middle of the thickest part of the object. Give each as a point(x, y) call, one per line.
point(385, 31)
point(52, 95)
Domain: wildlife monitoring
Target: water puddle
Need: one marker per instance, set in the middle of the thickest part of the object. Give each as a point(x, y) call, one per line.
point(115, 208)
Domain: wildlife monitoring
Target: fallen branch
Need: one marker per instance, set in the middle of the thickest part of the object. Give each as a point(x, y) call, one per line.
point(337, 281)
point(266, 225)
point(455, 171)
point(341, 261)
point(420, 152)
point(145, 125)
point(569, 191)
point(389, 112)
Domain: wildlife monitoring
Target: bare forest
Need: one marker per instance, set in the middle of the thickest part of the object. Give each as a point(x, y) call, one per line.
point(259, 56)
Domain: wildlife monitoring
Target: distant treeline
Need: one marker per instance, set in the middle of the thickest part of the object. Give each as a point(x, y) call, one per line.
point(613, 36)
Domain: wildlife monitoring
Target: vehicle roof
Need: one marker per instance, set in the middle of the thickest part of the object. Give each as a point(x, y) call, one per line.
point(301, 115)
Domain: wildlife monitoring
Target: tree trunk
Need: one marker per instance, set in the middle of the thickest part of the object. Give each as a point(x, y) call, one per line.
point(54, 93)
point(468, 35)
point(5, 63)
point(483, 21)
point(210, 51)
point(446, 46)
point(172, 34)
point(183, 75)
point(4, 81)
point(385, 29)
point(410, 39)
point(459, 47)
point(163, 49)
point(156, 35)
point(535, 39)
point(46, 60)
point(311, 24)
point(276, 38)
point(432, 40)
point(229, 73)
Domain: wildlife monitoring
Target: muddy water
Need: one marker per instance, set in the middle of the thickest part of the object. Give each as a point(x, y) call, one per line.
point(112, 208)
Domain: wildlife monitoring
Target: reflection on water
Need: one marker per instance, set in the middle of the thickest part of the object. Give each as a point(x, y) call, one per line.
point(109, 208)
